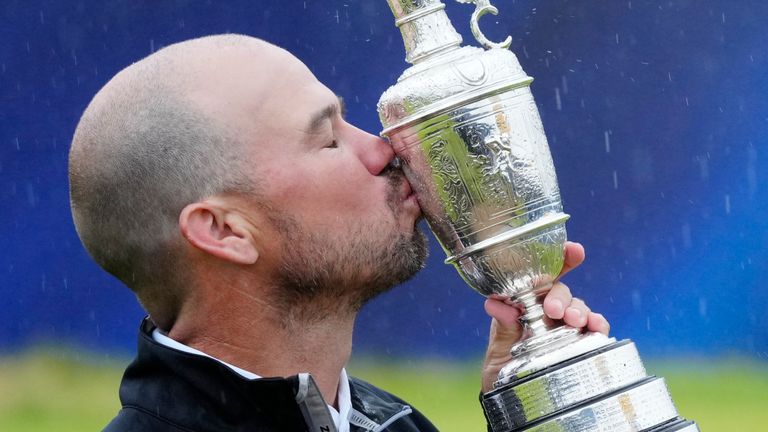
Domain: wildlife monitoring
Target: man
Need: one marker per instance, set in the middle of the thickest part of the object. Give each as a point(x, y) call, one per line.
point(219, 181)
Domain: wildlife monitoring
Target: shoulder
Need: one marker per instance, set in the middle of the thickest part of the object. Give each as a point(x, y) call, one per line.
point(385, 408)
point(131, 419)
point(364, 388)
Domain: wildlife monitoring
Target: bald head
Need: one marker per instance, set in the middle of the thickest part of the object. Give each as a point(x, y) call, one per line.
point(153, 140)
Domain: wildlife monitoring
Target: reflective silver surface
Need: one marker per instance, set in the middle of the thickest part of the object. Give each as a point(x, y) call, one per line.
point(466, 127)
point(544, 395)
point(636, 409)
point(467, 130)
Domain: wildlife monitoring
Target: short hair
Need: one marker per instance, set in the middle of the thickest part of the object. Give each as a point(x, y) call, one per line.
point(142, 152)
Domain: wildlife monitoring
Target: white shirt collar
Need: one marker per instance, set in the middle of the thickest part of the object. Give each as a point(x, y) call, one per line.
point(344, 398)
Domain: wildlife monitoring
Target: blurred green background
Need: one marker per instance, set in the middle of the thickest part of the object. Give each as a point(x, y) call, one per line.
point(62, 390)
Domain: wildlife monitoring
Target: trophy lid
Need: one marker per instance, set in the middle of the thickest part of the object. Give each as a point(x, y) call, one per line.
point(444, 75)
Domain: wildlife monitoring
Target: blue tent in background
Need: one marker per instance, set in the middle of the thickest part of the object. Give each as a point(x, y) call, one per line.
point(656, 114)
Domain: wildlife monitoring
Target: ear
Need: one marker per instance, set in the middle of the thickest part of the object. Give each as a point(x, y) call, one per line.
point(219, 232)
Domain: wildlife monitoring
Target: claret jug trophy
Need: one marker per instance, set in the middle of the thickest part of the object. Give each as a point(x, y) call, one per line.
point(464, 124)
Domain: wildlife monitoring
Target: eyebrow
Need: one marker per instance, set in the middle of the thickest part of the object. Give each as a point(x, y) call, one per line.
point(317, 120)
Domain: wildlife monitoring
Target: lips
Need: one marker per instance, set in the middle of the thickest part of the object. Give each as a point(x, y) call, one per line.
point(407, 191)
point(408, 196)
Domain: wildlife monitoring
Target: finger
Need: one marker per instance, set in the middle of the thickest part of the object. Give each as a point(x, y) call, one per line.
point(556, 301)
point(597, 323)
point(573, 256)
point(576, 314)
point(506, 315)
point(505, 331)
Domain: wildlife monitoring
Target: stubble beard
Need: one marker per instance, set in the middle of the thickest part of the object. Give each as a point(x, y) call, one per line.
point(323, 277)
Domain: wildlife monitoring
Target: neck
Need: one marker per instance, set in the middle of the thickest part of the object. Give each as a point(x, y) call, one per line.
point(252, 334)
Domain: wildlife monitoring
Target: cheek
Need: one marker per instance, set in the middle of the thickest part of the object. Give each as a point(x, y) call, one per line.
point(327, 195)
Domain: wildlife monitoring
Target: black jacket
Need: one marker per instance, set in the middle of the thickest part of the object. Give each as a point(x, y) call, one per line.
point(168, 390)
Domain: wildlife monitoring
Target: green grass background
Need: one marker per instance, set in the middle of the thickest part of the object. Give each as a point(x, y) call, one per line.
point(50, 390)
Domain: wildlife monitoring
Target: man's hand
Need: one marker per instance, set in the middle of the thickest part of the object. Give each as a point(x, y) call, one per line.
point(558, 304)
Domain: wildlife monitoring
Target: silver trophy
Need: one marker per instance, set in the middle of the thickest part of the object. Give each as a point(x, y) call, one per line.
point(465, 125)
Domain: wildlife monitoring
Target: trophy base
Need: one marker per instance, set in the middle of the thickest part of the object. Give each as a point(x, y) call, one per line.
point(606, 389)
point(539, 352)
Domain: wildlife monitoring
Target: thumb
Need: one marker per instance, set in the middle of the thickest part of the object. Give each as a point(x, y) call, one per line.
point(505, 332)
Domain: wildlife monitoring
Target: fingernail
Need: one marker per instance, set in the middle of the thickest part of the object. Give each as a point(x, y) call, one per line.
point(558, 305)
point(578, 313)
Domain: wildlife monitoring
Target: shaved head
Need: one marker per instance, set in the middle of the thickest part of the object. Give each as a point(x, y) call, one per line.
point(146, 146)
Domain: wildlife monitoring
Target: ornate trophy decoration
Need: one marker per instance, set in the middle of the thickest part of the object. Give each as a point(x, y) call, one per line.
point(465, 125)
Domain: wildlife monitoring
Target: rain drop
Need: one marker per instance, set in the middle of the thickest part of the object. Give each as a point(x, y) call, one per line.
point(727, 204)
point(606, 136)
point(703, 167)
point(558, 101)
point(686, 231)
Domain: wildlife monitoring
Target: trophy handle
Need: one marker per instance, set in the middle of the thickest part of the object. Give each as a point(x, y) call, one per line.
point(483, 7)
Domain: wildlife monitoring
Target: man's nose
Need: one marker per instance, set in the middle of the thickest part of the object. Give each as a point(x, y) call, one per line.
point(374, 153)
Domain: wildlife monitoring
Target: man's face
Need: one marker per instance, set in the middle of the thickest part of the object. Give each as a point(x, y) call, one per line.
point(346, 219)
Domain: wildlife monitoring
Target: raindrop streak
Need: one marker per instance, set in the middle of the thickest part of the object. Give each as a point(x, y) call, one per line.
point(703, 167)
point(151, 45)
point(558, 101)
point(615, 180)
point(751, 171)
point(18, 145)
point(702, 307)
point(606, 134)
point(686, 231)
point(727, 204)
point(31, 194)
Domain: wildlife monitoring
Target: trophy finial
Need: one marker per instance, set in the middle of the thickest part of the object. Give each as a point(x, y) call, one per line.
point(483, 7)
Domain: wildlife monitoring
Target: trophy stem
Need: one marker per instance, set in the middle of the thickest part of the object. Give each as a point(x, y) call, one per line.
point(543, 342)
point(532, 318)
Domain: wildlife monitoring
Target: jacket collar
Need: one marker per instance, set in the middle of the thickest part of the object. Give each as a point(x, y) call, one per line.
point(193, 391)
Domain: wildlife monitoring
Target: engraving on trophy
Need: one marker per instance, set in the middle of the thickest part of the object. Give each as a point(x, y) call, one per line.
point(447, 174)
